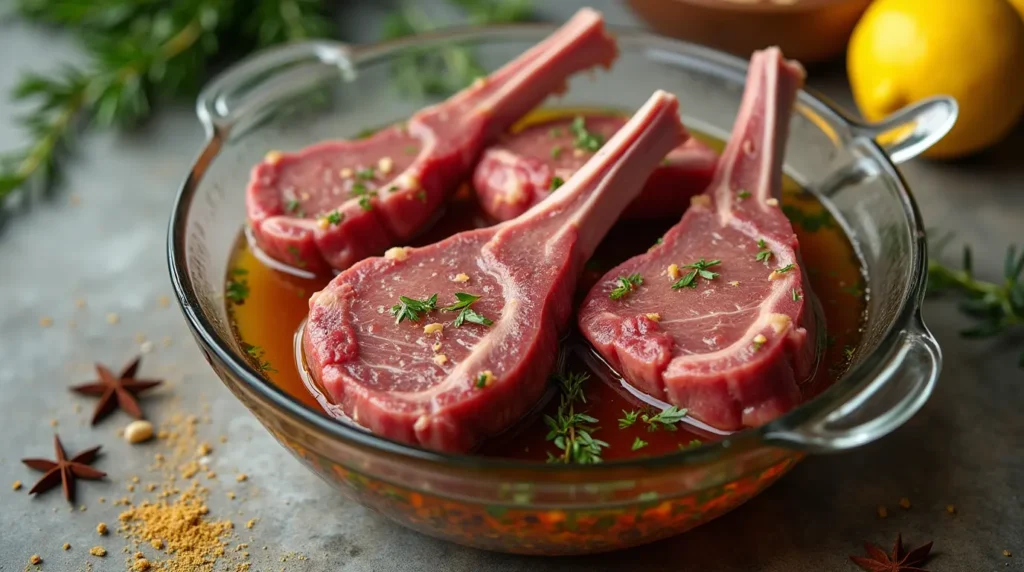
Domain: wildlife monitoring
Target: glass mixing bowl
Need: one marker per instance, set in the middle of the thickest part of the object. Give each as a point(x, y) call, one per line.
point(300, 94)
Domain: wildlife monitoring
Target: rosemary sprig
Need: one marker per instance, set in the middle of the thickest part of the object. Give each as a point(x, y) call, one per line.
point(996, 307)
point(421, 73)
point(463, 301)
point(626, 286)
point(139, 51)
point(571, 432)
point(410, 308)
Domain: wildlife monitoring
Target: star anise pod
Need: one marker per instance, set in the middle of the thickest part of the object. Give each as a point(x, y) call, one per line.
point(64, 470)
point(899, 561)
point(116, 390)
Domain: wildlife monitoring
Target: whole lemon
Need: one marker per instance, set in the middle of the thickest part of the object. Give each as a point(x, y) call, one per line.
point(903, 51)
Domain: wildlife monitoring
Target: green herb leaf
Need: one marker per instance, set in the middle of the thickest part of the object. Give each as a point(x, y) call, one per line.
point(628, 419)
point(626, 286)
point(786, 268)
point(411, 308)
point(569, 431)
point(743, 194)
point(700, 268)
point(257, 354)
point(638, 444)
point(666, 419)
point(334, 217)
point(796, 295)
point(764, 253)
point(583, 139)
point(556, 182)
point(366, 174)
point(237, 289)
point(556, 151)
point(465, 313)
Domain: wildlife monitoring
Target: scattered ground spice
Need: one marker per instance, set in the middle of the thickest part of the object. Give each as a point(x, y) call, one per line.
point(231, 495)
point(950, 509)
point(163, 301)
point(16, 486)
point(102, 529)
point(141, 565)
point(98, 551)
point(251, 523)
point(180, 526)
point(35, 559)
point(241, 477)
point(905, 503)
point(204, 449)
point(67, 546)
point(211, 475)
point(46, 321)
point(113, 318)
point(1007, 553)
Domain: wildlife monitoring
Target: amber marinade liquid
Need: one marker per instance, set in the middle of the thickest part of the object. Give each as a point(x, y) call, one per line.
point(277, 304)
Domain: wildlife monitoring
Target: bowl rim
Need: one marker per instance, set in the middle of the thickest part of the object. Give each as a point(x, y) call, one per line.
point(856, 378)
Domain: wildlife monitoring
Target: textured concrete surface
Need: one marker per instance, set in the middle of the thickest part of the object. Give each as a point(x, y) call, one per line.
point(101, 239)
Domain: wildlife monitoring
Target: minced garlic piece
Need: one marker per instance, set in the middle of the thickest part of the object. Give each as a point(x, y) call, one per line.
point(779, 322)
point(436, 347)
point(273, 157)
point(440, 359)
point(673, 271)
point(398, 253)
point(734, 283)
point(434, 328)
point(322, 223)
point(760, 339)
point(345, 173)
point(775, 275)
point(700, 201)
point(385, 165)
point(772, 202)
point(461, 277)
point(409, 182)
point(654, 317)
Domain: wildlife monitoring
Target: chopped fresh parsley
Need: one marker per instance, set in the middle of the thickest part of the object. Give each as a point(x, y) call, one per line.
point(365, 195)
point(692, 444)
point(626, 285)
point(569, 431)
point(466, 314)
point(555, 132)
point(796, 295)
point(556, 151)
point(334, 217)
point(765, 253)
point(556, 182)
point(699, 268)
point(237, 288)
point(638, 444)
point(411, 308)
point(366, 174)
point(393, 189)
point(257, 353)
point(628, 419)
point(481, 381)
point(848, 352)
point(786, 268)
point(292, 206)
point(743, 194)
point(666, 419)
point(583, 139)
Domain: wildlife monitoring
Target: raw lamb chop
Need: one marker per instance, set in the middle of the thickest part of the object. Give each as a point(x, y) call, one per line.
point(444, 369)
point(335, 203)
point(718, 318)
point(527, 165)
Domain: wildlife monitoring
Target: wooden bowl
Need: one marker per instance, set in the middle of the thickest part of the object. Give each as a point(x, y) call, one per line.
point(807, 30)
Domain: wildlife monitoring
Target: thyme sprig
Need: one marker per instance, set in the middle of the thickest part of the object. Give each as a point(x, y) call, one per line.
point(139, 53)
point(571, 431)
point(996, 307)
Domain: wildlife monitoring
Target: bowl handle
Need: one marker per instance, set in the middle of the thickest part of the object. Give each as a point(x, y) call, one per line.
point(912, 130)
point(248, 88)
point(899, 389)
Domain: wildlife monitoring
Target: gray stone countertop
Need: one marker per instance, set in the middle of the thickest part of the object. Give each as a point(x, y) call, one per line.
point(95, 249)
